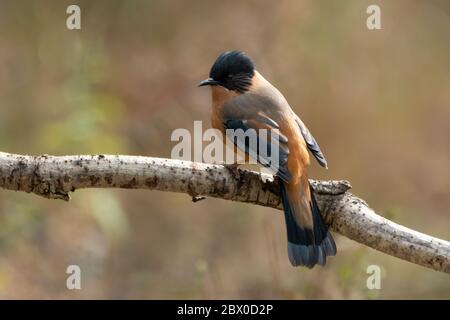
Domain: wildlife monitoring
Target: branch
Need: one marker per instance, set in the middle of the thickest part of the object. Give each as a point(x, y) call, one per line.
point(54, 177)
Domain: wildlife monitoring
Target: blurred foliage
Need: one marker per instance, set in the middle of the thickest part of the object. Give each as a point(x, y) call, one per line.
point(378, 102)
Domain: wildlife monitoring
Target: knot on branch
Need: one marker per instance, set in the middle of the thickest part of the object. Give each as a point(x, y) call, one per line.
point(332, 187)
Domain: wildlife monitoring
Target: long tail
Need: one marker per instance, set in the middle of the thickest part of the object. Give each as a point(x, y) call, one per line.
point(307, 246)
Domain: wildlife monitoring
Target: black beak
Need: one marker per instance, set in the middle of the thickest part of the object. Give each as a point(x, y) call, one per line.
point(208, 82)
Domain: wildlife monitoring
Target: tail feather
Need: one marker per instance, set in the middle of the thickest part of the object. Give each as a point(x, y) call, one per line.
point(307, 247)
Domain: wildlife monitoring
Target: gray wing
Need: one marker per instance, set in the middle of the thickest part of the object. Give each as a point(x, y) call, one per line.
point(313, 146)
point(246, 113)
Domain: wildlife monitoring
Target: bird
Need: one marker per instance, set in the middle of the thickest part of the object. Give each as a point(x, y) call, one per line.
point(243, 99)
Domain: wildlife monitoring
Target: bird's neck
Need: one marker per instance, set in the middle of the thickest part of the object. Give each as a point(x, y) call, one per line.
point(220, 95)
point(258, 81)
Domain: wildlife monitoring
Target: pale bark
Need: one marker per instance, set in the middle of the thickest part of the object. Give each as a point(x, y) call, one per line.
point(55, 177)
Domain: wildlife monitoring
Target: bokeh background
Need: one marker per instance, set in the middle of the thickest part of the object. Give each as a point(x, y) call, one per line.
point(378, 102)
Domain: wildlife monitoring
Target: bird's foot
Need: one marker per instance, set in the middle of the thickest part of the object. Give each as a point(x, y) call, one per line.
point(233, 168)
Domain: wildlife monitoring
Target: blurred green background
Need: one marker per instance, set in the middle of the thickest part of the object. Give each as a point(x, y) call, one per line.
point(378, 102)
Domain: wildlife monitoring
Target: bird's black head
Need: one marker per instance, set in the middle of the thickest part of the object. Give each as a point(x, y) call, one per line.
point(233, 70)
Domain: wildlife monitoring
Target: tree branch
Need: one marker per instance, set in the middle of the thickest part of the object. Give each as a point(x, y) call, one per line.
point(55, 177)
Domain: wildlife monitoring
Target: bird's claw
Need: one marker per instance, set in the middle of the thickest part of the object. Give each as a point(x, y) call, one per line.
point(233, 169)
